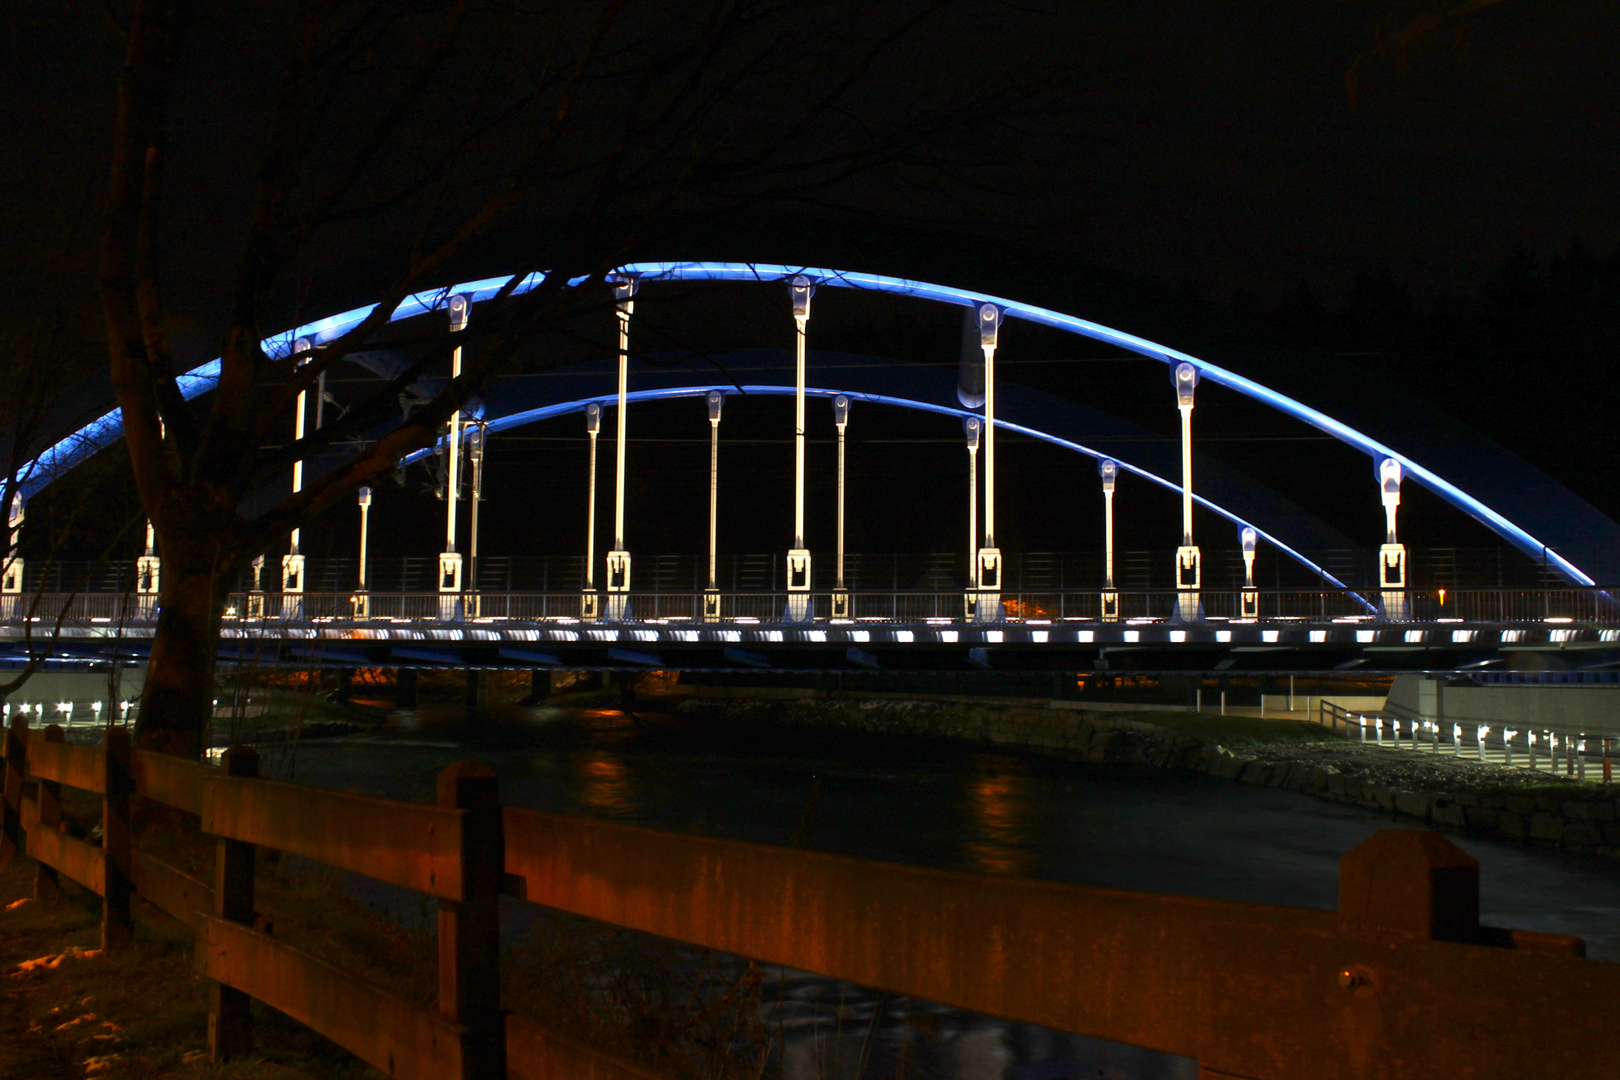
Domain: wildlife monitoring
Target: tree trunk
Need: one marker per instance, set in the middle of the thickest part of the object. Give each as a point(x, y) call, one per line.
point(177, 706)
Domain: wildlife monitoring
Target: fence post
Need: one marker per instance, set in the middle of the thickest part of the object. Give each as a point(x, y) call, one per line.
point(47, 886)
point(11, 838)
point(119, 780)
point(230, 1024)
point(469, 928)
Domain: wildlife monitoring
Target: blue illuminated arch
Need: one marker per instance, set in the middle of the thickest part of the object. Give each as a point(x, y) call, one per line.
point(107, 429)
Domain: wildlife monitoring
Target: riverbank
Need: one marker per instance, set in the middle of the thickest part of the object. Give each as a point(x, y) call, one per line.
point(1443, 791)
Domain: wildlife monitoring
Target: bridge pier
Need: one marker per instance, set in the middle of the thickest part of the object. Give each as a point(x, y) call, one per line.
point(405, 688)
point(475, 688)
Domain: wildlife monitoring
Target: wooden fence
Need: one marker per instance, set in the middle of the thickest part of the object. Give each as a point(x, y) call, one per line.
point(1401, 982)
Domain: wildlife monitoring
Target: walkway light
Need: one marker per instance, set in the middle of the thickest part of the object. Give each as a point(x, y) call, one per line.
point(1189, 568)
point(1250, 604)
point(711, 596)
point(618, 560)
point(988, 567)
point(593, 426)
point(1456, 740)
point(1392, 555)
point(800, 289)
point(1479, 740)
point(1108, 469)
point(450, 559)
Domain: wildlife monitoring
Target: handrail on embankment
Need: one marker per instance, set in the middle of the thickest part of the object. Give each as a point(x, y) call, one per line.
point(1401, 981)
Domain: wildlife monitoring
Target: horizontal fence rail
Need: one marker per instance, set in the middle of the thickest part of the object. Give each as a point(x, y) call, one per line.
point(1590, 606)
point(1400, 981)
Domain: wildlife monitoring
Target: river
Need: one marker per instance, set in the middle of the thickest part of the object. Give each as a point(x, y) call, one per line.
point(944, 805)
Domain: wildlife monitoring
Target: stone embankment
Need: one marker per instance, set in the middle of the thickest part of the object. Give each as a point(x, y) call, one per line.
point(1443, 790)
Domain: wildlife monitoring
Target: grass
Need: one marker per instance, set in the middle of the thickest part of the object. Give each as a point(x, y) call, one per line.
point(1240, 729)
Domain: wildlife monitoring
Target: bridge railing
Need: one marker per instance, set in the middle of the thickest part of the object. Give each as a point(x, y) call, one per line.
point(1589, 606)
point(1374, 989)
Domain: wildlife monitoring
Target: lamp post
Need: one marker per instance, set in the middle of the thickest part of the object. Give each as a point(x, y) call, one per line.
point(587, 608)
point(987, 607)
point(362, 599)
point(840, 596)
point(1189, 569)
point(618, 560)
point(972, 430)
point(1392, 555)
point(711, 596)
point(1108, 470)
point(11, 581)
point(1249, 604)
point(449, 558)
point(475, 460)
point(800, 289)
point(292, 563)
point(255, 599)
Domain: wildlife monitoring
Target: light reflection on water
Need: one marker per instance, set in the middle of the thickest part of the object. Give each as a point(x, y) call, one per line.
point(1000, 819)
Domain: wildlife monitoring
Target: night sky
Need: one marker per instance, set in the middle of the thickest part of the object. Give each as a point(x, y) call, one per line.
point(1200, 154)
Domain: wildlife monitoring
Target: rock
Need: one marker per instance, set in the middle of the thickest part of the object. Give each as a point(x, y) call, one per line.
point(1381, 795)
point(1256, 773)
point(1589, 810)
point(1482, 819)
point(1519, 804)
point(1582, 836)
point(1415, 803)
point(1512, 824)
point(1453, 814)
point(1546, 826)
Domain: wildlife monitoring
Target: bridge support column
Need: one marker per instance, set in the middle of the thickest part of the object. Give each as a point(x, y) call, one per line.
point(1189, 561)
point(799, 606)
point(1392, 555)
point(1109, 600)
point(987, 567)
point(618, 560)
point(475, 688)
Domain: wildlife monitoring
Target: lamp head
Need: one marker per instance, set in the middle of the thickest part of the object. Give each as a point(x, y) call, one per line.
point(1185, 378)
point(593, 417)
point(1389, 475)
point(972, 427)
point(624, 288)
point(1108, 469)
point(459, 309)
point(801, 289)
point(17, 509)
point(302, 345)
point(474, 443)
point(1247, 537)
point(717, 401)
point(840, 410)
point(989, 324)
point(365, 496)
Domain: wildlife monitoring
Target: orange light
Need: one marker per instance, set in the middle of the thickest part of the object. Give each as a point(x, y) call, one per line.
point(1442, 598)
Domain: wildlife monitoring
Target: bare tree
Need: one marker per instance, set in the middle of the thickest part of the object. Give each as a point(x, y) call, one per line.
point(446, 120)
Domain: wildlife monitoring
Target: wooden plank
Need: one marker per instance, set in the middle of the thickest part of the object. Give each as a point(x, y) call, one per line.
point(407, 844)
point(399, 1038)
point(167, 779)
point(170, 889)
point(1253, 990)
point(84, 863)
point(75, 766)
point(534, 1052)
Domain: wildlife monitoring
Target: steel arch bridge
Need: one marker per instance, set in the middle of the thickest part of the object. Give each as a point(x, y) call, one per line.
point(1092, 618)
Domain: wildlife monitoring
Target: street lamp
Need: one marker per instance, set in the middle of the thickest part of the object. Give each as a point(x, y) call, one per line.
point(972, 430)
point(292, 563)
point(1392, 555)
point(800, 289)
point(1189, 570)
point(618, 560)
point(449, 558)
point(1108, 469)
point(475, 458)
point(988, 566)
point(1250, 602)
point(840, 596)
point(362, 600)
point(711, 596)
point(593, 426)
